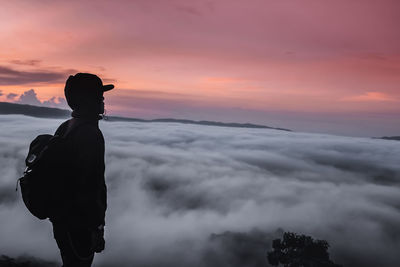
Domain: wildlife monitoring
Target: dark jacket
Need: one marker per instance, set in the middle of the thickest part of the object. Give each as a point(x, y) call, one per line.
point(86, 202)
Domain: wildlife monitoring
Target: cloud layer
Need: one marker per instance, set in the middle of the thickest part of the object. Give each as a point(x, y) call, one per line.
point(192, 195)
point(10, 76)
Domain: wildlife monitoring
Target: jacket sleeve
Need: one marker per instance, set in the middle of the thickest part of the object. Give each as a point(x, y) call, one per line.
point(91, 192)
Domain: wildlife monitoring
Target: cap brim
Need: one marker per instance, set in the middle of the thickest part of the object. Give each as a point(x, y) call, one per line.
point(108, 87)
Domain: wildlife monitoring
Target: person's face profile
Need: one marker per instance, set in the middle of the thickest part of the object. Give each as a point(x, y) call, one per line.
point(101, 111)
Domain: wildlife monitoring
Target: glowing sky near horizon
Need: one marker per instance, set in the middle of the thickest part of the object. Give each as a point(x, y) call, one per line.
point(328, 66)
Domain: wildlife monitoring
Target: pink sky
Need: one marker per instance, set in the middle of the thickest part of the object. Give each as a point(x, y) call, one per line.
point(322, 65)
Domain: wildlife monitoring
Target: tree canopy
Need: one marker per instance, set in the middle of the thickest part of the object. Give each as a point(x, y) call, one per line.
point(295, 250)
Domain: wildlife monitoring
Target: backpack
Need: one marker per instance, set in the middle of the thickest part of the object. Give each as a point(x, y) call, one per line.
point(48, 166)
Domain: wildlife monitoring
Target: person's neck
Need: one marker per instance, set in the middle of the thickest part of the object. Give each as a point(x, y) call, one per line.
point(79, 114)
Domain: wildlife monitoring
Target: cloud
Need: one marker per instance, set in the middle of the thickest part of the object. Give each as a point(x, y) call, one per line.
point(239, 248)
point(55, 102)
point(192, 195)
point(11, 96)
point(189, 10)
point(370, 97)
point(28, 62)
point(9, 76)
point(30, 98)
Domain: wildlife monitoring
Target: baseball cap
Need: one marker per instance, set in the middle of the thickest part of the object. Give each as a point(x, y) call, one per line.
point(84, 85)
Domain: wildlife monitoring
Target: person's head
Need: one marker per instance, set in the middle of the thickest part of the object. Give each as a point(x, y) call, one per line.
point(84, 93)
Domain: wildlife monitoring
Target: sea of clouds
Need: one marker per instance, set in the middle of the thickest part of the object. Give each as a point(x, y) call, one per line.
point(192, 195)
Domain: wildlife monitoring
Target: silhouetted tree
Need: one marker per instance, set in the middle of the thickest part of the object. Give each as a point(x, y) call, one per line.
point(300, 251)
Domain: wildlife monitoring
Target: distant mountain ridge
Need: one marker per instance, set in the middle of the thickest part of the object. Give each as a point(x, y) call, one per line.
point(397, 138)
point(34, 111)
point(46, 112)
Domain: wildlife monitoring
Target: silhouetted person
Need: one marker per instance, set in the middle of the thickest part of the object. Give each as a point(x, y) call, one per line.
point(78, 224)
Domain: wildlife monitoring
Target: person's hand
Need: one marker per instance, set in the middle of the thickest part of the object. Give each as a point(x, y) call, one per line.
point(97, 236)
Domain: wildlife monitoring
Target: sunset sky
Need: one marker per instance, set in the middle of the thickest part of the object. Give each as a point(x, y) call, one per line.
point(318, 66)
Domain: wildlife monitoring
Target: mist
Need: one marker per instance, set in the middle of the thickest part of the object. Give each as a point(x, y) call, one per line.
point(193, 195)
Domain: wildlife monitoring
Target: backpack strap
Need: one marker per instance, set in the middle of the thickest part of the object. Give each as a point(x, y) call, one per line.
point(67, 127)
